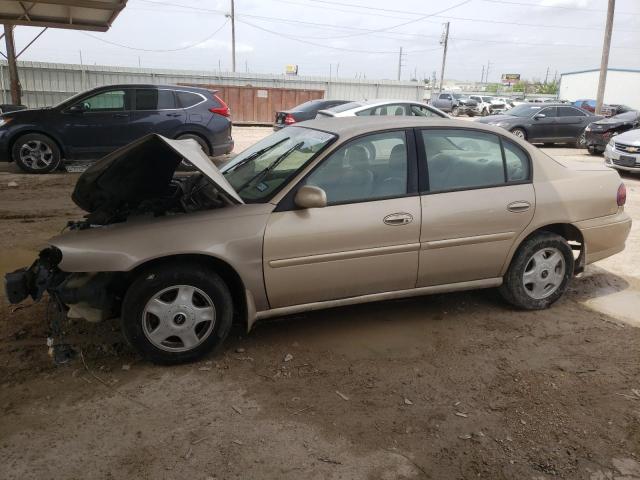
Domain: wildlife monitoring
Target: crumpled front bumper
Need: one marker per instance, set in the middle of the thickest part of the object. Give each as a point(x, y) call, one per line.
point(33, 281)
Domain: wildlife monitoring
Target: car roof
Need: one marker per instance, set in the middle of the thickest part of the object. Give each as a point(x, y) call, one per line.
point(354, 126)
point(370, 103)
point(149, 85)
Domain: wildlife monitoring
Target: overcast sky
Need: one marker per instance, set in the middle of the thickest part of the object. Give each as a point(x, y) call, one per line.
point(362, 37)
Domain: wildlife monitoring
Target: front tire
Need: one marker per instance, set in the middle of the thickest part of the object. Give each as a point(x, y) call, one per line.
point(176, 313)
point(36, 153)
point(455, 111)
point(539, 272)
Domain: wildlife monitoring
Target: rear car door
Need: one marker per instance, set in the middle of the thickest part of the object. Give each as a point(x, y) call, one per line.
point(102, 125)
point(477, 197)
point(571, 122)
point(543, 128)
point(156, 111)
point(364, 241)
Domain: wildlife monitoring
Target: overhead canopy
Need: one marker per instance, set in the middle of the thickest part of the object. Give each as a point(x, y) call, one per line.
point(96, 15)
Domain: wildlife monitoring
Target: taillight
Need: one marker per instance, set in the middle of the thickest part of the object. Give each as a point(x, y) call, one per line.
point(621, 198)
point(289, 119)
point(223, 109)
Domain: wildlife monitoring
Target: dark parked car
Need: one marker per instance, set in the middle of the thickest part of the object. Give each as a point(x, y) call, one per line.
point(10, 107)
point(96, 122)
point(543, 123)
point(304, 111)
point(599, 133)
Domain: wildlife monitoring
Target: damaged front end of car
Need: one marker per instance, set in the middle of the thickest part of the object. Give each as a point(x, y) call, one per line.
point(133, 185)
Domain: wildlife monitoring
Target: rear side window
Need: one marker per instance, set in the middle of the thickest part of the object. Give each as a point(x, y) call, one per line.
point(570, 112)
point(188, 99)
point(153, 99)
point(464, 159)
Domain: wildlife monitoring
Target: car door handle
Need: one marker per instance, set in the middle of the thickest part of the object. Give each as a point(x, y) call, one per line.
point(396, 219)
point(519, 206)
point(174, 114)
point(120, 115)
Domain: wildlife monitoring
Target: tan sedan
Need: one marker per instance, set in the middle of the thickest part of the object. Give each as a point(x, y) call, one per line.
point(331, 212)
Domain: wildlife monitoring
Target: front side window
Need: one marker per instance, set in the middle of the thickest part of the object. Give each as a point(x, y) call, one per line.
point(445, 96)
point(549, 112)
point(109, 101)
point(368, 168)
point(261, 170)
point(463, 159)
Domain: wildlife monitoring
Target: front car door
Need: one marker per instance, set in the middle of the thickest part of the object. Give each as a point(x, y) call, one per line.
point(477, 197)
point(543, 128)
point(364, 241)
point(156, 111)
point(101, 126)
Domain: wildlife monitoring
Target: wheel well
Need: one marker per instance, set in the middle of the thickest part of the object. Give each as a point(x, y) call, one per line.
point(15, 138)
point(196, 134)
point(222, 268)
point(572, 235)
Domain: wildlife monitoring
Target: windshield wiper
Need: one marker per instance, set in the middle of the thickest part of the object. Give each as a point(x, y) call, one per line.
point(254, 155)
point(263, 173)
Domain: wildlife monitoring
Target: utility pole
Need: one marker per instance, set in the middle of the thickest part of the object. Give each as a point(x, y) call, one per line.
point(233, 37)
point(486, 72)
point(445, 43)
point(546, 77)
point(400, 64)
point(482, 75)
point(604, 64)
point(14, 81)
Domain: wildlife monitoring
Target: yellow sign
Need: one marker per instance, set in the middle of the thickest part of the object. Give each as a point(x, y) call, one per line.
point(291, 69)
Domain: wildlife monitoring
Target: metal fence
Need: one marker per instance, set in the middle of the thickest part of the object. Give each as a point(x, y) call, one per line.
point(45, 84)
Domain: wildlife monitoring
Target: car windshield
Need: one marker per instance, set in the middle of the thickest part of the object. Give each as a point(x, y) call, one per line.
point(261, 170)
point(524, 110)
point(626, 116)
point(487, 99)
point(457, 95)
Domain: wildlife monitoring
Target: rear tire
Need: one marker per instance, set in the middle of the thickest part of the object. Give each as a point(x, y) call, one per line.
point(539, 272)
point(520, 133)
point(185, 165)
point(581, 141)
point(36, 153)
point(176, 313)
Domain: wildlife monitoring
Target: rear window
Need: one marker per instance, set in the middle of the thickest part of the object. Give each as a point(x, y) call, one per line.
point(308, 106)
point(345, 107)
point(153, 99)
point(188, 99)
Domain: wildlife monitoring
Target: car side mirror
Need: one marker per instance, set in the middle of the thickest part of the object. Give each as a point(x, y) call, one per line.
point(538, 116)
point(310, 196)
point(78, 108)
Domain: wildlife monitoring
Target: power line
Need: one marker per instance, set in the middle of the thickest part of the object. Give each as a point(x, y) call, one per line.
point(523, 4)
point(157, 50)
point(366, 8)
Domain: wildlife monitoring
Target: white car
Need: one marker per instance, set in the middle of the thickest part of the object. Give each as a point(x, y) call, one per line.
point(488, 105)
point(367, 108)
point(623, 151)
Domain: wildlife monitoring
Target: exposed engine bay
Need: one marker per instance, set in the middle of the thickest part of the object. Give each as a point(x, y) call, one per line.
point(183, 194)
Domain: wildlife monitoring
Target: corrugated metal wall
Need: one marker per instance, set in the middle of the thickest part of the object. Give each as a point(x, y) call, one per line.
point(46, 84)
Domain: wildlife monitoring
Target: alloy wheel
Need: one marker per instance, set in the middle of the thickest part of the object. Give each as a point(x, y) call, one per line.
point(544, 273)
point(178, 318)
point(36, 154)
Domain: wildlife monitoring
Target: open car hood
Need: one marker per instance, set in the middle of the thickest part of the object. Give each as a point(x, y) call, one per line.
point(143, 170)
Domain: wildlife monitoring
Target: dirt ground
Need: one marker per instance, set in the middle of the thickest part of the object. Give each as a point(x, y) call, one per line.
point(453, 386)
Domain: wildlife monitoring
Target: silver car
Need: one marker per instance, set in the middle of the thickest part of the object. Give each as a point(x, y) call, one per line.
point(377, 108)
point(623, 151)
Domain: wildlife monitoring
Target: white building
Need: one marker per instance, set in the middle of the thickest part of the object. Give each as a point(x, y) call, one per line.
point(623, 86)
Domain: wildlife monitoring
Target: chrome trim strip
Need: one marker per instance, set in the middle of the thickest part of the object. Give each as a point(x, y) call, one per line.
point(331, 257)
point(376, 297)
point(455, 242)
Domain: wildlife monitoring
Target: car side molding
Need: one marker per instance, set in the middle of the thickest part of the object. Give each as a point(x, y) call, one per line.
point(376, 297)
